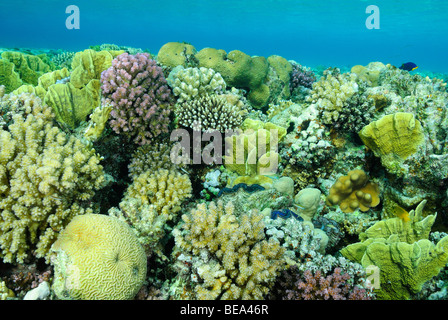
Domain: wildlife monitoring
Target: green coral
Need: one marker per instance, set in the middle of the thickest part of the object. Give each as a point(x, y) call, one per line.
point(405, 257)
point(253, 152)
point(8, 76)
point(238, 69)
point(29, 67)
point(173, 54)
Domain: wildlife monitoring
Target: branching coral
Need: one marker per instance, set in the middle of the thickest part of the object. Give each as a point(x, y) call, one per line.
point(45, 176)
point(334, 286)
point(191, 83)
point(150, 202)
point(230, 256)
point(331, 93)
point(209, 113)
point(139, 95)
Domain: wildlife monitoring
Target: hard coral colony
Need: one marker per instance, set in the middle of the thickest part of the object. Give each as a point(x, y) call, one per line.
point(306, 181)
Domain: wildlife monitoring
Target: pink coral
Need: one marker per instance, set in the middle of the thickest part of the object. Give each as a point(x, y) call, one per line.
point(141, 100)
point(336, 286)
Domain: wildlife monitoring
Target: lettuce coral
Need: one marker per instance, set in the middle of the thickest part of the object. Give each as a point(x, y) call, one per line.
point(46, 178)
point(401, 250)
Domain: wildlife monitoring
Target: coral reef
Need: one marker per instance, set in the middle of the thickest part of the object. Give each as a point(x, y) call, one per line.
point(393, 138)
point(403, 253)
point(153, 200)
point(228, 253)
point(354, 191)
point(140, 97)
point(189, 83)
point(97, 257)
point(209, 114)
point(47, 178)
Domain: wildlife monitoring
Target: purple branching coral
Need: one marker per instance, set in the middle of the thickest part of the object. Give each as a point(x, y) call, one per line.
point(301, 77)
point(141, 100)
point(337, 285)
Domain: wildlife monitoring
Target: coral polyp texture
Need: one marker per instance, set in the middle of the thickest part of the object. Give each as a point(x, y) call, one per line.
point(231, 257)
point(203, 173)
point(139, 95)
point(98, 257)
point(47, 177)
point(354, 191)
point(209, 113)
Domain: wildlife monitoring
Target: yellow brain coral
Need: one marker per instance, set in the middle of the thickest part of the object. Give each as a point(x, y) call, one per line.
point(98, 257)
point(354, 191)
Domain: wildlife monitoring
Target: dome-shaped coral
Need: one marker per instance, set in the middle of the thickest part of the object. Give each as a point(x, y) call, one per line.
point(98, 257)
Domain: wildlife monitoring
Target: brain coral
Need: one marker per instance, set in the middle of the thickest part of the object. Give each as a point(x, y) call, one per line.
point(98, 257)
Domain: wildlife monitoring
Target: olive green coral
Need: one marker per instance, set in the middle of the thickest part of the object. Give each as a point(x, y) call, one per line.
point(97, 257)
point(46, 178)
point(228, 251)
point(405, 257)
point(393, 138)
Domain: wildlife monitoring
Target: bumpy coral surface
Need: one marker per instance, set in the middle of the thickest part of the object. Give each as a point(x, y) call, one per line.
point(45, 178)
point(354, 191)
point(231, 258)
point(191, 83)
point(139, 95)
point(209, 113)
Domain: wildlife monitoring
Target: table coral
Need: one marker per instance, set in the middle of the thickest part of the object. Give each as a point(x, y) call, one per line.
point(139, 95)
point(229, 253)
point(98, 257)
point(46, 178)
point(354, 191)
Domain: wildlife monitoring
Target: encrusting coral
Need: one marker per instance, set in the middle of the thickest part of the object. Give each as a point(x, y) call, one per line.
point(354, 191)
point(97, 257)
point(46, 178)
point(228, 253)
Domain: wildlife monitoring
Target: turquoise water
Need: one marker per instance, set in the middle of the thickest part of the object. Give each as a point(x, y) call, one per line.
point(326, 32)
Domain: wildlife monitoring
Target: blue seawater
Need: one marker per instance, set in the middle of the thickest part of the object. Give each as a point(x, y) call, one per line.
point(313, 33)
